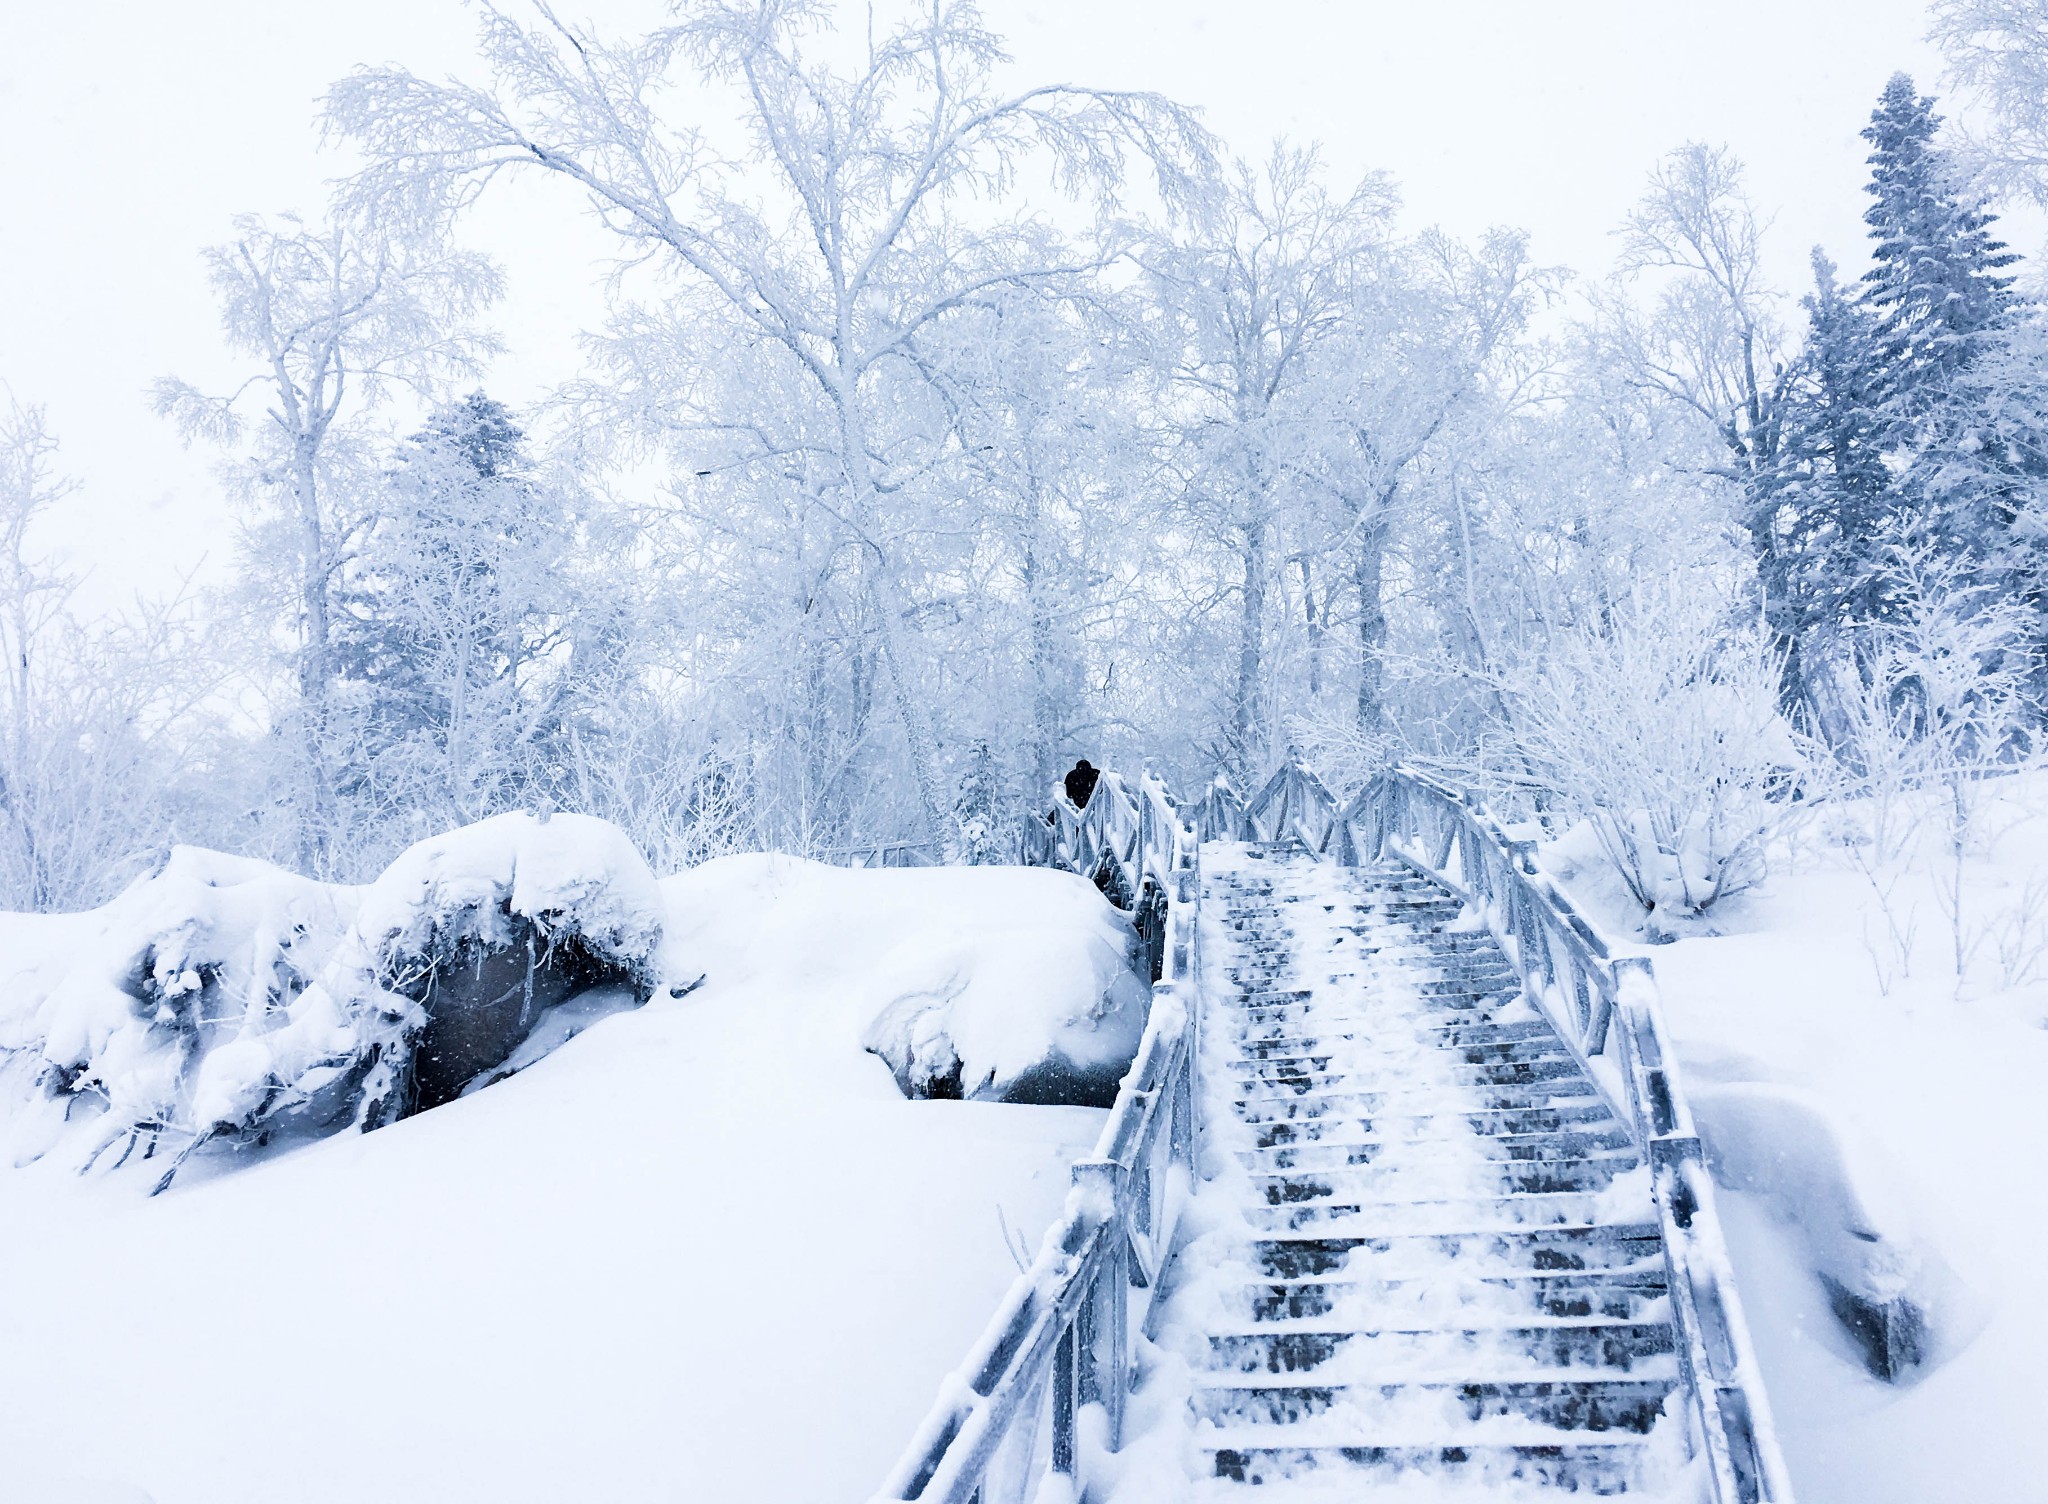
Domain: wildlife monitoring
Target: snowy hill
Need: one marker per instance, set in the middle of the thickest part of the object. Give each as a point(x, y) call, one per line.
point(705, 1249)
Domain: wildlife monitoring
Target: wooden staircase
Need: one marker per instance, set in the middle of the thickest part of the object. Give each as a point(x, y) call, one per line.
point(1436, 1253)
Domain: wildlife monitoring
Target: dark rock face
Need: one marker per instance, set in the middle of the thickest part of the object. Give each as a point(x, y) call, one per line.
point(1893, 1334)
point(482, 1001)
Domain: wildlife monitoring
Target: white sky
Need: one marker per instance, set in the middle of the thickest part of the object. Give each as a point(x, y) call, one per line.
point(131, 131)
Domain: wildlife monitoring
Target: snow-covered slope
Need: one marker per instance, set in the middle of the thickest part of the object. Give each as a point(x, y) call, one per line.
point(705, 1250)
point(1888, 1124)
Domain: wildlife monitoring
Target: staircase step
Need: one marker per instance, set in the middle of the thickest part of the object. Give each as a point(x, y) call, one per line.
point(1618, 1295)
point(1496, 1177)
point(1587, 1114)
point(1563, 1094)
point(1613, 1347)
point(1594, 1467)
point(1611, 1148)
point(1596, 1405)
point(1447, 1215)
point(1502, 1251)
point(1255, 1076)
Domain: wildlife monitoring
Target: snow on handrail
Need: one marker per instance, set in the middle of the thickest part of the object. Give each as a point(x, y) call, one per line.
point(1060, 1342)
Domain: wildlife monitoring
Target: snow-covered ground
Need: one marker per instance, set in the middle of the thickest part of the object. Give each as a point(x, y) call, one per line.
point(1830, 1059)
point(705, 1250)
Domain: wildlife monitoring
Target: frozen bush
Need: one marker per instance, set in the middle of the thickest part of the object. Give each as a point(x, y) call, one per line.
point(1659, 726)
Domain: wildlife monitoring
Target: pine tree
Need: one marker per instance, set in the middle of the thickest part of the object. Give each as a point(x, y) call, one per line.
point(978, 822)
point(1961, 385)
point(1825, 509)
point(455, 621)
point(1937, 283)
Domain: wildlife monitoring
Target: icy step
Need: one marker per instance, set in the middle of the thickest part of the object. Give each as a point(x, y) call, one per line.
point(1584, 1114)
point(1339, 1152)
point(1491, 1178)
point(1281, 1076)
point(1348, 1356)
point(1450, 1036)
point(1446, 1215)
point(1421, 1101)
point(1342, 1051)
point(1505, 1251)
point(1580, 1465)
point(1617, 1295)
point(1562, 1404)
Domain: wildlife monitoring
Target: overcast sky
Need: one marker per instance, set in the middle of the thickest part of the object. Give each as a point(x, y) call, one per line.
point(131, 131)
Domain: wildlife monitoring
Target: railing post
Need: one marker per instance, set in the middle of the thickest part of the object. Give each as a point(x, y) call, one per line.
point(1066, 1364)
point(1105, 1374)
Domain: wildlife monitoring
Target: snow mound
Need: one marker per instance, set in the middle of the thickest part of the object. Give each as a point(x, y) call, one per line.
point(117, 1006)
point(986, 983)
point(225, 998)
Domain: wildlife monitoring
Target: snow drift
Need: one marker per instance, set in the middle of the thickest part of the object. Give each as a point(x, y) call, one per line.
point(713, 1198)
point(986, 983)
point(220, 998)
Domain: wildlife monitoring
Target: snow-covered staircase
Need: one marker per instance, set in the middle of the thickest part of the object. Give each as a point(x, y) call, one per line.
point(1439, 1254)
point(1364, 1223)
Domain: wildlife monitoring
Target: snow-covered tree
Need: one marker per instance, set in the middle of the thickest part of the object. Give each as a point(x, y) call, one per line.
point(1253, 292)
point(981, 815)
point(94, 711)
point(1822, 512)
point(457, 616)
point(834, 248)
point(333, 318)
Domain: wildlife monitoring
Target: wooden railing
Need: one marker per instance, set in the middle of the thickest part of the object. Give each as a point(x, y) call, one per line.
point(1060, 1343)
point(1606, 1009)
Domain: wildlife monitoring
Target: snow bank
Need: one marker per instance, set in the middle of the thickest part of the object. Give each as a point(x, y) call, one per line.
point(1882, 1136)
point(988, 983)
point(684, 1228)
point(221, 998)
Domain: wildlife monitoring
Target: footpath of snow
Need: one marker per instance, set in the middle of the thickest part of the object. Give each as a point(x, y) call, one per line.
point(1886, 1125)
point(705, 1250)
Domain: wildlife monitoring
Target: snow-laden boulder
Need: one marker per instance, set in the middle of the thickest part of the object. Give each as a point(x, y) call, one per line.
point(991, 983)
point(457, 951)
point(222, 998)
point(116, 1007)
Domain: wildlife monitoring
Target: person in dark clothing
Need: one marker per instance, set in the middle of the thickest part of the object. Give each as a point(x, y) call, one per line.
point(1080, 783)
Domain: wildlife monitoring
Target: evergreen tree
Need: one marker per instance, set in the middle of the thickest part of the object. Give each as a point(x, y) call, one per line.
point(456, 623)
point(1825, 508)
point(1942, 300)
point(979, 826)
point(1937, 282)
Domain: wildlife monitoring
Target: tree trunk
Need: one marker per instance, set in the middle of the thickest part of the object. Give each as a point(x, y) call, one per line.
point(1247, 707)
point(316, 815)
point(1368, 561)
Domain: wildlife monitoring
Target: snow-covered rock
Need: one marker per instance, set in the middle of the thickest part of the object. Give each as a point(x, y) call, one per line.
point(225, 998)
point(645, 1227)
point(117, 1007)
point(989, 983)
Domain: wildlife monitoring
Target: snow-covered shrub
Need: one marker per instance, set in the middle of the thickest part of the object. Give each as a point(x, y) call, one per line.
point(981, 829)
point(221, 997)
point(1924, 711)
point(1660, 728)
